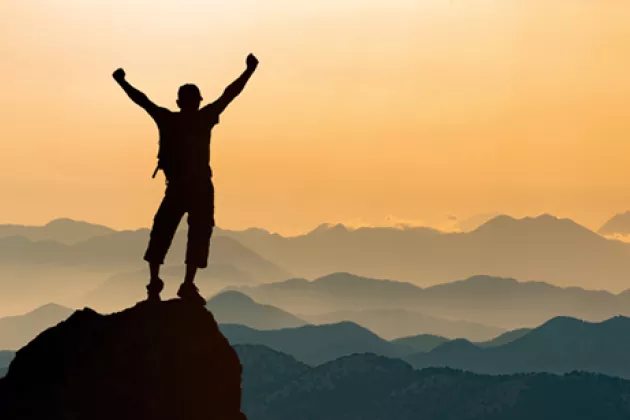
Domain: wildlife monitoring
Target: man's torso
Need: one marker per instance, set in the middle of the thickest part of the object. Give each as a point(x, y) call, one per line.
point(185, 144)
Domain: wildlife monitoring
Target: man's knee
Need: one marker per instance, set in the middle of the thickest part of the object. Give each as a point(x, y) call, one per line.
point(202, 223)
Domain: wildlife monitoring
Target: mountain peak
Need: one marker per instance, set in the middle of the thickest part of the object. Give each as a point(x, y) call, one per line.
point(506, 220)
point(490, 280)
point(456, 346)
point(50, 308)
point(232, 297)
point(545, 223)
point(234, 307)
point(619, 224)
point(349, 279)
point(160, 361)
point(65, 222)
point(342, 277)
point(329, 227)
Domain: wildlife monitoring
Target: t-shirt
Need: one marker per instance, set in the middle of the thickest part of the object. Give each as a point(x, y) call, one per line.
point(185, 142)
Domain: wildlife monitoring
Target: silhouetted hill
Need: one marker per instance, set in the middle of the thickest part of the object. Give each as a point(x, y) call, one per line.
point(473, 222)
point(314, 344)
point(336, 292)
point(152, 361)
point(396, 323)
point(64, 231)
point(265, 368)
point(544, 248)
point(505, 338)
point(420, 343)
point(559, 346)
point(370, 387)
point(618, 225)
point(233, 307)
point(490, 301)
point(16, 331)
point(424, 343)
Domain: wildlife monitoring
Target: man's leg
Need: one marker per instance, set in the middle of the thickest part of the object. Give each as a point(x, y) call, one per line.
point(154, 269)
point(200, 226)
point(191, 272)
point(165, 224)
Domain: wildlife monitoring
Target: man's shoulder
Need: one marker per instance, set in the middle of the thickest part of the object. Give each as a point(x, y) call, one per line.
point(210, 113)
point(165, 111)
point(160, 114)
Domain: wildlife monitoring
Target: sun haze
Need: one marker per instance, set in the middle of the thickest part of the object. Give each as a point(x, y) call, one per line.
point(360, 109)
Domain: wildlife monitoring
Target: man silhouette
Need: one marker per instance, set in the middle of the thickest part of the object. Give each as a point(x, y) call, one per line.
point(184, 157)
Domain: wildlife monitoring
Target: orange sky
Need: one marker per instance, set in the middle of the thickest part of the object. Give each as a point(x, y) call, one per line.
point(361, 111)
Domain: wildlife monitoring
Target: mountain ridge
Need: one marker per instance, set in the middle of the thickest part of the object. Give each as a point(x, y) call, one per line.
point(313, 344)
point(16, 331)
point(476, 299)
point(560, 345)
point(371, 387)
point(232, 307)
point(543, 248)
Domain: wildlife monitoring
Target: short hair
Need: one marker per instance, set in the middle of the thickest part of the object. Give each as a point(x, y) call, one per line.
point(189, 92)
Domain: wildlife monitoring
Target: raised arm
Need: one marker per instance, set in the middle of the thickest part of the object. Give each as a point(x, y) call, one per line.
point(235, 88)
point(134, 94)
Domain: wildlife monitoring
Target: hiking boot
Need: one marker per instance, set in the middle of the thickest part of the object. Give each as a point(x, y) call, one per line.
point(154, 288)
point(190, 293)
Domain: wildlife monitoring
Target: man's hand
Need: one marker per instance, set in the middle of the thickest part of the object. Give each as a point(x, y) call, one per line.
point(119, 75)
point(252, 62)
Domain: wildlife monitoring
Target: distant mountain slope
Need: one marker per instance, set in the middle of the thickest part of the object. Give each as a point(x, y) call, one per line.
point(544, 248)
point(124, 249)
point(370, 387)
point(618, 225)
point(396, 323)
point(265, 367)
point(64, 231)
point(505, 338)
point(16, 331)
point(491, 301)
point(336, 292)
point(559, 346)
point(5, 357)
point(424, 343)
point(313, 344)
point(233, 307)
point(421, 343)
point(472, 223)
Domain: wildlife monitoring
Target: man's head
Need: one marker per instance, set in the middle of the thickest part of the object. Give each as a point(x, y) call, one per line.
point(189, 97)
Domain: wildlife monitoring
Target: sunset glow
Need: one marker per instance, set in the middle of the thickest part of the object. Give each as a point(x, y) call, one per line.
point(361, 111)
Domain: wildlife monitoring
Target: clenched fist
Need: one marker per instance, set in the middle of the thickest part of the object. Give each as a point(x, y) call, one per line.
point(119, 75)
point(252, 61)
